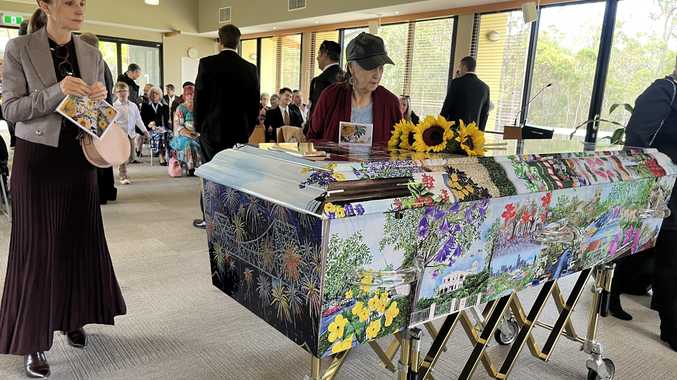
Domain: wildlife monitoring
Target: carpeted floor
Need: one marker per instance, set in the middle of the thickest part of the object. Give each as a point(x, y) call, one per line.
point(180, 327)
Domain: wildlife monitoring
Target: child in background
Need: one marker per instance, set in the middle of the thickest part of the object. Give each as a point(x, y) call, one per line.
point(128, 118)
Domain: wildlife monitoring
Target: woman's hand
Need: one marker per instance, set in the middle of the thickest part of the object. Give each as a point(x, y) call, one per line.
point(75, 86)
point(98, 92)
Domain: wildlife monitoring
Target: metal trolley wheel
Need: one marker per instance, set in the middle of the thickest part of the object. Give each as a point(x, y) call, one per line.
point(610, 368)
point(507, 332)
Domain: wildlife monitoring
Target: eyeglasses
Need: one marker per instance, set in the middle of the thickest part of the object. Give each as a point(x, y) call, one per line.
point(65, 67)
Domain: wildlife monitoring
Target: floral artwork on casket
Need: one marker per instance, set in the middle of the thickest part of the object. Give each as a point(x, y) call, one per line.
point(359, 246)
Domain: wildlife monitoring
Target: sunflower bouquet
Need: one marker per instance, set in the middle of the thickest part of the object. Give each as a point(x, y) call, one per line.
point(436, 134)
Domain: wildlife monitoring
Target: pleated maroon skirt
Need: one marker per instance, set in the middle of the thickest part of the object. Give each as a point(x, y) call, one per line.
point(59, 272)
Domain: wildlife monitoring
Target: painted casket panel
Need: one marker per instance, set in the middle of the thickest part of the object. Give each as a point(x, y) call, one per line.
point(267, 258)
point(306, 246)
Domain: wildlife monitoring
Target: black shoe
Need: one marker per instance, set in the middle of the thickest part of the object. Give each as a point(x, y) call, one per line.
point(77, 338)
point(36, 365)
point(669, 340)
point(199, 223)
point(617, 311)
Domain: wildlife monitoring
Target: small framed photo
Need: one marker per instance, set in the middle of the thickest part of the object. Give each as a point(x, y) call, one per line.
point(355, 134)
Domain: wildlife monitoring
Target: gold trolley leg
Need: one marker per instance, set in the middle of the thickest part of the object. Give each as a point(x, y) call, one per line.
point(440, 341)
point(332, 371)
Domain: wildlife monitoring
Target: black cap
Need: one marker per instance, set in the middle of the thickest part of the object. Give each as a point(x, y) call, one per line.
point(368, 51)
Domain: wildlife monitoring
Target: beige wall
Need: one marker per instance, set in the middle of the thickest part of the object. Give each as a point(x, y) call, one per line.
point(463, 38)
point(170, 14)
point(177, 47)
point(132, 19)
point(256, 12)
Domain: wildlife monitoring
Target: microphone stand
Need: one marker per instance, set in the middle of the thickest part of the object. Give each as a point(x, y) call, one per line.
point(529, 102)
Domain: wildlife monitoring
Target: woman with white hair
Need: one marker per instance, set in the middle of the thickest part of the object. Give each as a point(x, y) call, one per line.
point(155, 114)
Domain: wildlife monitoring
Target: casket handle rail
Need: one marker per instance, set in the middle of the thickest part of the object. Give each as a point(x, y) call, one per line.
point(661, 211)
point(374, 279)
point(559, 232)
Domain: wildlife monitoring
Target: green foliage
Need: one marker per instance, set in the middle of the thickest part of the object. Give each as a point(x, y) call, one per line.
point(401, 234)
point(344, 258)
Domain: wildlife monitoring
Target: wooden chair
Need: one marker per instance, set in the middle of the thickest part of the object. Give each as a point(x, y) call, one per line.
point(290, 135)
point(258, 136)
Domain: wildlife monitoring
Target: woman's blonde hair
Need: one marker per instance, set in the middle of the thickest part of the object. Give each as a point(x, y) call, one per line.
point(156, 90)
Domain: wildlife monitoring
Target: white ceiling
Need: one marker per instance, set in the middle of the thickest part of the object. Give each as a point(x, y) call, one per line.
point(412, 7)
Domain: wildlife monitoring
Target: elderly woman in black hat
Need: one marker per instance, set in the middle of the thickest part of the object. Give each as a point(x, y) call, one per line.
point(359, 98)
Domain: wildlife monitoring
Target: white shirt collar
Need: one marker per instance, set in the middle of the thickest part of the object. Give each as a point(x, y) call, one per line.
point(229, 49)
point(282, 109)
point(330, 65)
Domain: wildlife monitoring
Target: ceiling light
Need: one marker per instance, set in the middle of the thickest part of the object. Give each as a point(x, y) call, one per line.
point(397, 13)
point(152, 2)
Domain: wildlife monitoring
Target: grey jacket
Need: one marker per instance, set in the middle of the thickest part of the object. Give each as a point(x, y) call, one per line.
point(31, 92)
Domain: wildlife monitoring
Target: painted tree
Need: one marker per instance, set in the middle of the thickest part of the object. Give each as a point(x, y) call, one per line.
point(344, 258)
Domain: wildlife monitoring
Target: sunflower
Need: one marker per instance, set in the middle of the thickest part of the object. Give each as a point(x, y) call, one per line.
point(398, 131)
point(471, 139)
point(433, 134)
point(407, 138)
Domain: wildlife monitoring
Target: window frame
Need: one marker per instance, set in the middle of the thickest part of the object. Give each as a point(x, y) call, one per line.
point(601, 68)
point(277, 57)
point(150, 44)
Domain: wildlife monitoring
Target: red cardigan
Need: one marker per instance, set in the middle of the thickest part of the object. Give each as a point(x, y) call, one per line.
point(335, 106)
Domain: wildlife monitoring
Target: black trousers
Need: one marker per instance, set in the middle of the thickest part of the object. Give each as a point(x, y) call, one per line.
point(665, 282)
point(634, 274)
point(209, 150)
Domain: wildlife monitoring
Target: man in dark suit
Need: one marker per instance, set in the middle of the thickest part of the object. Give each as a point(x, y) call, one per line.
point(282, 115)
point(328, 57)
point(467, 96)
point(226, 105)
point(129, 77)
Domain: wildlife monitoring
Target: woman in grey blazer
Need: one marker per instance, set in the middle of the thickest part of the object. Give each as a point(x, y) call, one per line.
point(59, 271)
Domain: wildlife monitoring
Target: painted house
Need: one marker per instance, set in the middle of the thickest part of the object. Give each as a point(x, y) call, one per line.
point(454, 280)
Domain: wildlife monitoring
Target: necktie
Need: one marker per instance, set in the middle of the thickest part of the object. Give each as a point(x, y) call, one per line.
point(286, 117)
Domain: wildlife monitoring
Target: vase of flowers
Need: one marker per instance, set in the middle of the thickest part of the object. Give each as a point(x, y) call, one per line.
point(436, 134)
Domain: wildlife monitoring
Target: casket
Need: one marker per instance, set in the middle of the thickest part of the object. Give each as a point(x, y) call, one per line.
point(364, 243)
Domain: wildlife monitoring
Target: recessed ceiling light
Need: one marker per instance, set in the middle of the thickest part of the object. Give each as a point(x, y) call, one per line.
point(152, 2)
point(397, 13)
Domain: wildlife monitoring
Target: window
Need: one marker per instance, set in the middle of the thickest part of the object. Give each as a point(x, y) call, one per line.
point(146, 57)
point(268, 68)
point(395, 38)
point(349, 35)
point(502, 50)
point(248, 51)
point(290, 61)
point(6, 34)
point(109, 51)
point(430, 65)
point(566, 56)
point(644, 49)
point(318, 38)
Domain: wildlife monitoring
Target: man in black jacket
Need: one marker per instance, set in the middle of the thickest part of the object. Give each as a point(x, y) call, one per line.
point(328, 60)
point(130, 76)
point(654, 124)
point(226, 99)
point(285, 114)
point(467, 96)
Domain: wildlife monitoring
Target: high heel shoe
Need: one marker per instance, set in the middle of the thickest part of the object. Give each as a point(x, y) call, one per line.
point(77, 338)
point(36, 365)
